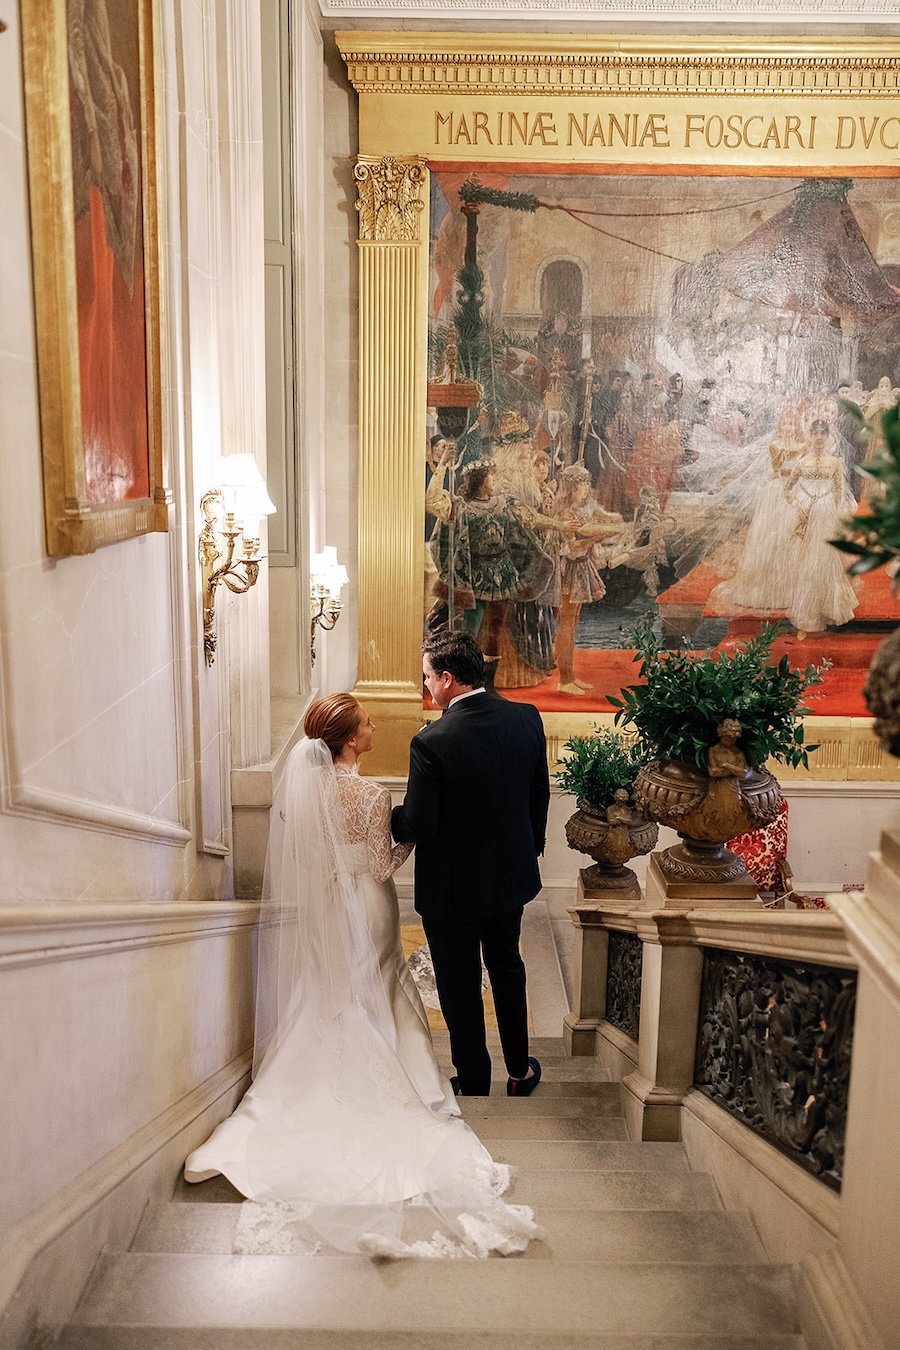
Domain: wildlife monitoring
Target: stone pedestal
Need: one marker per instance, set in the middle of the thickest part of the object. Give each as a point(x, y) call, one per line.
point(856, 1285)
point(589, 1010)
point(589, 1000)
point(662, 892)
point(671, 972)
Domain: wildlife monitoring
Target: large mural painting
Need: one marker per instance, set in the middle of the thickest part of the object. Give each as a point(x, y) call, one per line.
point(651, 417)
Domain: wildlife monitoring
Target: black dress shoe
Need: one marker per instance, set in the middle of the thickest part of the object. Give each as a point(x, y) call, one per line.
point(523, 1087)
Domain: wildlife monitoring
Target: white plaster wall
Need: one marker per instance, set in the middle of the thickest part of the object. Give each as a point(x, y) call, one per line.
point(124, 1021)
point(89, 650)
point(334, 484)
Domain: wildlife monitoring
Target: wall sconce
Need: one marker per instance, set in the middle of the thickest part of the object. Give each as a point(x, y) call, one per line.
point(232, 512)
point(327, 576)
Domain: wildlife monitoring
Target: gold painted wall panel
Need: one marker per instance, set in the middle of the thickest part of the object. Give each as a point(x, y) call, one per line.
point(390, 559)
point(663, 131)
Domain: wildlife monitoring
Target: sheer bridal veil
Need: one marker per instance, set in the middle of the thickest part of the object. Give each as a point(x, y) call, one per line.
point(340, 1146)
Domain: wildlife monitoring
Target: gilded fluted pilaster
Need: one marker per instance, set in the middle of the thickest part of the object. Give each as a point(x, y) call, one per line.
point(392, 376)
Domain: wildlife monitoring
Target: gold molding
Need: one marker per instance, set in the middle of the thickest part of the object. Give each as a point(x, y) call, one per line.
point(512, 64)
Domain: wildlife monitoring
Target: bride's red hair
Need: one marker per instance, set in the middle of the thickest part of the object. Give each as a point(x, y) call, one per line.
point(333, 720)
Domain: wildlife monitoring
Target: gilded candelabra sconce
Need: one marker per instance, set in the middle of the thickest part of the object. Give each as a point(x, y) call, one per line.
point(327, 576)
point(232, 512)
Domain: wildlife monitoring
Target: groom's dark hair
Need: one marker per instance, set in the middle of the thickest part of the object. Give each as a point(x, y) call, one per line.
point(457, 653)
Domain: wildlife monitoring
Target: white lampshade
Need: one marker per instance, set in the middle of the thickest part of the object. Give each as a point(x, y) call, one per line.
point(243, 487)
point(327, 572)
point(252, 504)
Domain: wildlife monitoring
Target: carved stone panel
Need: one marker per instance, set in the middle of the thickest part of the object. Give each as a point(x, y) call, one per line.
point(773, 1049)
point(623, 982)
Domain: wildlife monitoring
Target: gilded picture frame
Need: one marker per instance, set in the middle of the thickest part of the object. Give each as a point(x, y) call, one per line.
point(433, 101)
point(90, 104)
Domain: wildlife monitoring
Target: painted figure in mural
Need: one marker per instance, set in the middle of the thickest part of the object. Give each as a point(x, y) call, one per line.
point(514, 457)
point(532, 624)
point(619, 435)
point(553, 430)
point(583, 523)
point(877, 403)
point(346, 1068)
point(559, 342)
point(596, 409)
point(819, 590)
point(882, 398)
point(488, 556)
point(476, 809)
point(659, 450)
point(642, 546)
point(761, 586)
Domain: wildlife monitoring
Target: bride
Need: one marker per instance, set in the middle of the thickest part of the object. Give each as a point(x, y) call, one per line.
point(349, 1135)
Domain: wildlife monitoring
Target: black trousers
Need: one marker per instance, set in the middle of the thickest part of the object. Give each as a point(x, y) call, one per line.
point(456, 952)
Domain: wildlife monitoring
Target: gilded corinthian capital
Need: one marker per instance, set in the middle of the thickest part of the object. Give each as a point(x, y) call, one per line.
point(390, 197)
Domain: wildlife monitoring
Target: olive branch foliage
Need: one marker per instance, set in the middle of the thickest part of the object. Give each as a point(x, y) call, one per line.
point(599, 764)
point(874, 539)
point(686, 694)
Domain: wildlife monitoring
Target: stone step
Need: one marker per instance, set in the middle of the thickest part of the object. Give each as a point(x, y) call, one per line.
point(490, 1127)
point(605, 1099)
point(583, 1154)
point(591, 1190)
point(625, 1236)
point(550, 1088)
point(356, 1294)
point(555, 1069)
point(622, 1186)
point(216, 1338)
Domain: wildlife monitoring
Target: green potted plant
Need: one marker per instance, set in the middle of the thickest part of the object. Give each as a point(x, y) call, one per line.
point(709, 722)
point(599, 771)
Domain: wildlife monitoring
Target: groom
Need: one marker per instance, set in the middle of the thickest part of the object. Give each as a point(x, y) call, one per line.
point(476, 809)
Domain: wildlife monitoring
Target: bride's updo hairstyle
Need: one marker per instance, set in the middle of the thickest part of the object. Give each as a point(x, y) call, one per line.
point(333, 720)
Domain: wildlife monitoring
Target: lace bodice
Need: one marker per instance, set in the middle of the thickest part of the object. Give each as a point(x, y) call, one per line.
point(367, 807)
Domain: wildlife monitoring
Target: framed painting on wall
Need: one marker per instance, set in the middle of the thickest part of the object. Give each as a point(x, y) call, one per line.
point(627, 290)
point(90, 122)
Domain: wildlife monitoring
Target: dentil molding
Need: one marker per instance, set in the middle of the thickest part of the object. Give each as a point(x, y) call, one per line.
point(634, 11)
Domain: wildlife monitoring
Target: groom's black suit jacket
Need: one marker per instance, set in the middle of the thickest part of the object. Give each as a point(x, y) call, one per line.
point(476, 809)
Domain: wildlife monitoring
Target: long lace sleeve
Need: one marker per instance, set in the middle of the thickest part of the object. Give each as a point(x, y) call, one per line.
point(384, 855)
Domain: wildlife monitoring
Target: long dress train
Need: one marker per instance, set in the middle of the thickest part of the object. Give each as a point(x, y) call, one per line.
point(349, 1136)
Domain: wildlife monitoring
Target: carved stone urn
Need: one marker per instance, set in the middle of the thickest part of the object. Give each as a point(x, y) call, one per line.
point(706, 809)
point(882, 692)
point(612, 836)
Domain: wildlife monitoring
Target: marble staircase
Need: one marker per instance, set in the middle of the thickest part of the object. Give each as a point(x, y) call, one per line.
point(637, 1254)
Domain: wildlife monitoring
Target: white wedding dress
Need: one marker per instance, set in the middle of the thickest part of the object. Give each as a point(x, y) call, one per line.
point(349, 1135)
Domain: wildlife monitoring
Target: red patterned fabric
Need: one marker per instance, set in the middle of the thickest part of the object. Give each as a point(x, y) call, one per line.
point(762, 850)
